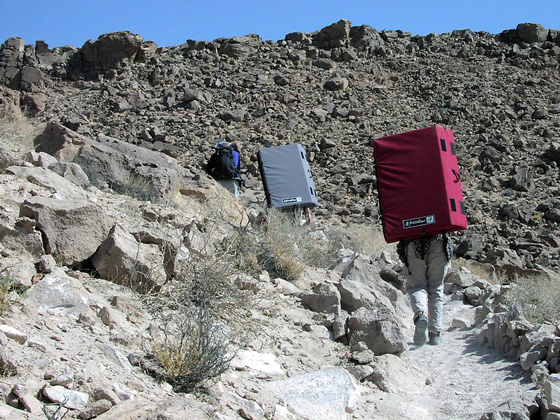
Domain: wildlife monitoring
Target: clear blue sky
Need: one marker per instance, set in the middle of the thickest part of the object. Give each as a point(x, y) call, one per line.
point(172, 22)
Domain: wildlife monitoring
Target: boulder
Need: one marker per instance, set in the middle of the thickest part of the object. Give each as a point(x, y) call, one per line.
point(71, 229)
point(240, 46)
point(333, 36)
point(461, 277)
point(365, 283)
point(327, 394)
point(31, 79)
point(73, 400)
point(336, 83)
point(531, 32)
point(20, 268)
point(365, 38)
point(123, 260)
point(379, 328)
point(553, 152)
point(59, 294)
point(551, 393)
point(111, 50)
point(505, 260)
point(126, 168)
point(324, 298)
point(24, 239)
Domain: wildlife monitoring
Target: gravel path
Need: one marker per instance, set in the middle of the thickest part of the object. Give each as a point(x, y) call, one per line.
point(464, 380)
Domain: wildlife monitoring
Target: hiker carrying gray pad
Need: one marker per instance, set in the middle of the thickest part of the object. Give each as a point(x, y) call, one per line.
point(287, 179)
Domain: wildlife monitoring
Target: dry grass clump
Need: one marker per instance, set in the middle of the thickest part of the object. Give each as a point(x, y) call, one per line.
point(194, 348)
point(243, 248)
point(538, 297)
point(135, 186)
point(17, 133)
point(367, 239)
point(6, 284)
point(283, 243)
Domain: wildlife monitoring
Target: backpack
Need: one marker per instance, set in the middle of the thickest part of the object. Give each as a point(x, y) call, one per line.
point(225, 167)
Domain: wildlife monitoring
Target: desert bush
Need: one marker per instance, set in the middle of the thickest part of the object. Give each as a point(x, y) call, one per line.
point(283, 246)
point(134, 186)
point(199, 310)
point(242, 246)
point(6, 284)
point(365, 239)
point(194, 348)
point(538, 297)
point(17, 132)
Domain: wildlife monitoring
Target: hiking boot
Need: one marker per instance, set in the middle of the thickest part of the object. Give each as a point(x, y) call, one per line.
point(435, 338)
point(421, 323)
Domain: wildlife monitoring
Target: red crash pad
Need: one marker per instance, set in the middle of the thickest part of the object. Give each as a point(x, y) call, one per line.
point(419, 184)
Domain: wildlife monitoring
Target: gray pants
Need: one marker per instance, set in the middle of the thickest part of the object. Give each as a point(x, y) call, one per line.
point(425, 282)
point(232, 185)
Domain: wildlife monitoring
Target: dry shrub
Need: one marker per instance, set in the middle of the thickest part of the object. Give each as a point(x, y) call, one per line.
point(17, 133)
point(484, 271)
point(194, 348)
point(363, 238)
point(6, 284)
point(198, 312)
point(538, 297)
point(283, 246)
point(135, 186)
point(243, 248)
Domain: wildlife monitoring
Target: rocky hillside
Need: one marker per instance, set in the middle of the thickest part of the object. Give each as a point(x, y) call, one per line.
point(111, 202)
point(333, 91)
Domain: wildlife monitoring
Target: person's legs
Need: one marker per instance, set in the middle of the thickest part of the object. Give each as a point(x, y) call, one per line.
point(236, 188)
point(417, 281)
point(417, 290)
point(437, 270)
point(232, 185)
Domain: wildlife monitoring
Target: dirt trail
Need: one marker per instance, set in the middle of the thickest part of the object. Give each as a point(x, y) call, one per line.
point(465, 380)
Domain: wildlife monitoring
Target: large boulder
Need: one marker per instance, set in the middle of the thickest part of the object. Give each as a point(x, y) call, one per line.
point(122, 259)
point(327, 394)
point(379, 329)
point(71, 229)
point(241, 46)
point(11, 61)
point(122, 166)
point(364, 286)
point(31, 79)
point(111, 50)
point(57, 293)
point(21, 238)
point(551, 393)
point(333, 36)
point(531, 32)
point(365, 38)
